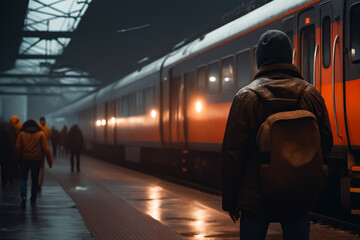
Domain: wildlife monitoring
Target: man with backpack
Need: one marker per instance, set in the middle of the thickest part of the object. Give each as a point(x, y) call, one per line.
point(277, 134)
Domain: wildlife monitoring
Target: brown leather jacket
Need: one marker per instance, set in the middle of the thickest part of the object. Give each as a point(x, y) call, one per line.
point(240, 179)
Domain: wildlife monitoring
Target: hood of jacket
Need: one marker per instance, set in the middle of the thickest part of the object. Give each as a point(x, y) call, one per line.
point(279, 85)
point(30, 126)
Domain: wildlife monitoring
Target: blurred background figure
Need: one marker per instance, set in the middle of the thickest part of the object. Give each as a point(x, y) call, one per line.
point(31, 145)
point(55, 136)
point(15, 122)
point(75, 143)
point(9, 171)
point(62, 142)
point(46, 129)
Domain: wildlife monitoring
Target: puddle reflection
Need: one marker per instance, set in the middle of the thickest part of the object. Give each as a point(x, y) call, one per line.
point(199, 225)
point(153, 205)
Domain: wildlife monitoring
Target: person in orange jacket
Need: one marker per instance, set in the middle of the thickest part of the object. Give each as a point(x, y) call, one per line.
point(31, 145)
point(16, 123)
point(46, 129)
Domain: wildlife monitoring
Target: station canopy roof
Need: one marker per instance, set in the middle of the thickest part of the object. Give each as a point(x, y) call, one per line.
point(72, 47)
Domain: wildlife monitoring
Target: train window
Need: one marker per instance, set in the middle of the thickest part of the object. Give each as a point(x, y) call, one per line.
point(139, 103)
point(189, 84)
point(290, 34)
point(214, 76)
point(326, 48)
point(227, 74)
point(125, 107)
point(307, 51)
point(255, 67)
point(118, 107)
point(132, 104)
point(355, 32)
point(148, 99)
point(243, 68)
point(201, 80)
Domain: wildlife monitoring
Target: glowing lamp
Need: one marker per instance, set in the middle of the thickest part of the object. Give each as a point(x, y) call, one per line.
point(198, 106)
point(153, 113)
point(112, 120)
point(212, 79)
point(226, 79)
point(98, 123)
point(103, 122)
point(307, 20)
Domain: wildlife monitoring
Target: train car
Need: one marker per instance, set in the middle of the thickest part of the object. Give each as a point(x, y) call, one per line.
point(171, 114)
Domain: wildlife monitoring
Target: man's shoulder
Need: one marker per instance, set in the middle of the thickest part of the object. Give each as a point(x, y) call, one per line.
point(246, 92)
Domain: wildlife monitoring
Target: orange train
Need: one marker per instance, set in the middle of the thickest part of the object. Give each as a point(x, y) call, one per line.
point(170, 115)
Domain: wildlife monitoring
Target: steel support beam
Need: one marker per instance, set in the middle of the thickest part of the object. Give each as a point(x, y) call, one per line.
point(47, 34)
point(9, 75)
point(37, 56)
point(32, 94)
point(48, 85)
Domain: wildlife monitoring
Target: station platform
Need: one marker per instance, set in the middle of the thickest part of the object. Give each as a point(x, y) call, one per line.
point(105, 201)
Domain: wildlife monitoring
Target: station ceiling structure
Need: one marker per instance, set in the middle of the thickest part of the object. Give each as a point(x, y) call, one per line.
point(64, 49)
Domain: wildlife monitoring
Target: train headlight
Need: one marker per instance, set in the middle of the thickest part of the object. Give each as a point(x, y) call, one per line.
point(212, 79)
point(198, 106)
point(98, 123)
point(153, 113)
point(103, 122)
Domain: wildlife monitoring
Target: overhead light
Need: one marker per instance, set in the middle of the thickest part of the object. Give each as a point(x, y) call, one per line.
point(143, 60)
point(133, 28)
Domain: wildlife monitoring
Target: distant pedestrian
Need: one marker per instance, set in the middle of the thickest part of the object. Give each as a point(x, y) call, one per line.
point(75, 144)
point(31, 146)
point(46, 129)
point(62, 141)
point(55, 136)
point(15, 121)
point(278, 87)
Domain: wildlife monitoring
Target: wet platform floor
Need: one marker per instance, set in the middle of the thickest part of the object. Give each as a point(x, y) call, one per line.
point(105, 201)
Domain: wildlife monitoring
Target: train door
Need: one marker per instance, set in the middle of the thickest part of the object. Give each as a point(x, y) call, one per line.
point(352, 71)
point(177, 110)
point(308, 44)
point(189, 84)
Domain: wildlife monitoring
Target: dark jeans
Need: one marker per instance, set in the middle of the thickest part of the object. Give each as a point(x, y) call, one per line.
point(255, 227)
point(77, 155)
point(34, 167)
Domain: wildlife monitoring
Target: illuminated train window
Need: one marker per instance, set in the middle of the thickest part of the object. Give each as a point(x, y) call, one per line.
point(326, 48)
point(243, 68)
point(214, 75)
point(355, 32)
point(227, 74)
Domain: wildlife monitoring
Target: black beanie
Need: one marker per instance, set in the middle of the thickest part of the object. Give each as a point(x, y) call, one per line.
point(273, 47)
